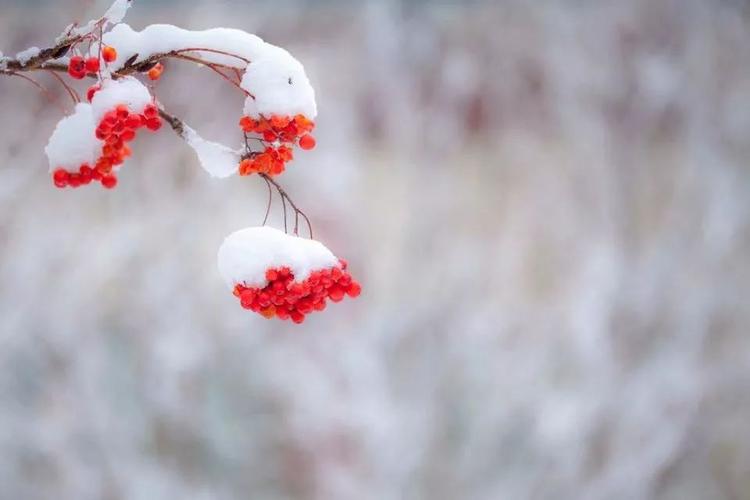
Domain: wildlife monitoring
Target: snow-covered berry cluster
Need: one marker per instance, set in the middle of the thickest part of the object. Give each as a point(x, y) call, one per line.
point(285, 298)
point(123, 108)
point(282, 132)
point(283, 276)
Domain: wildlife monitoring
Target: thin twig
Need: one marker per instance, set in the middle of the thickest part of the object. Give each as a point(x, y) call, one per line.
point(283, 204)
point(215, 68)
point(41, 88)
point(284, 195)
point(215, 51)
point(72, 93)
point(270, 200)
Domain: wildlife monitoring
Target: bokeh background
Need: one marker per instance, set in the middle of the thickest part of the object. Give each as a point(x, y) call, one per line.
point(548, 205)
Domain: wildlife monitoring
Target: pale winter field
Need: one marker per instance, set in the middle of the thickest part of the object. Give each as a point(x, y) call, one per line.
point(547, 203)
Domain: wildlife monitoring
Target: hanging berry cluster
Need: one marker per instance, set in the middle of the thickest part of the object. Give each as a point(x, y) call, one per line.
point(284, 298)
point(281, 133)
point(116, 129)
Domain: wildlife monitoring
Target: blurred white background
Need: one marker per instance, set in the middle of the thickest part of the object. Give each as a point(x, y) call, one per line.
point(547, 205)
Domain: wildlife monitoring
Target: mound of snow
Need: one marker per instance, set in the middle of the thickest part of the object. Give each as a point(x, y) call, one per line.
point(163, 38)
point(73, 142)
point(246, 255)
point(279, 86)
point(276, 80)
point(126, 90)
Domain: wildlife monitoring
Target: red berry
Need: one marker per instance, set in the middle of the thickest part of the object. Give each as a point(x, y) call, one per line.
point(60, 178)
point(109, 54)
point(86, 174)
point(153, 124)
point(77, 67)
point(246, 298)
point(74, 180)
point(272, 275)
point(336, 293)
point(122, 112)
point(354, 289)
point(269, 136)
point(91, 91)
point(109, 181)
point(282, 313)
point(92, 64)
point(307, 142)
point(155, 72)
point(151, 111)
point(268, 312)
point(134, 121)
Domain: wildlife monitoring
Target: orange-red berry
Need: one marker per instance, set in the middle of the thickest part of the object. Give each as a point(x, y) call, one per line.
point(155, 72)
point(109, 54)
point(92, 64)
point(109, 181)
point(307, 142)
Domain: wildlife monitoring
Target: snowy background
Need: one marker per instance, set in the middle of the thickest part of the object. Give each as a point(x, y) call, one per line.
point(547, 203)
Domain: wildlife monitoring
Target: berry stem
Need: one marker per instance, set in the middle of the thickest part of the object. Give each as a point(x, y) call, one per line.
point(39, 86)
point(215, 68)
point(228, 54)
point(72, 93)
point(270, 200)
point(284, 195)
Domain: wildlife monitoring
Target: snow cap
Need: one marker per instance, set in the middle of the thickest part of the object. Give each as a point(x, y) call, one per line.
point(247, 254)
point(73, 142)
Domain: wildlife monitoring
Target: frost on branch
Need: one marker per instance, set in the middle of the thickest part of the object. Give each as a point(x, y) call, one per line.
point(26, 55)
point(114, 15)
point(281, 275)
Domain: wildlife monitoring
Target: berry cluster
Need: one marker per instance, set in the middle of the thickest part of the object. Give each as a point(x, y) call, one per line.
point(282, 132)
point(286, 299)
point(272, 161)
point(78, 67)
point(116, 128)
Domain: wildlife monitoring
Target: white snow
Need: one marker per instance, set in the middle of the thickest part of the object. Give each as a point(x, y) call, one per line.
point(279, 85)
point(127, 90)
point(73, 142)
point(116, 13)
point(163, 38)
point(276, 79)
point(218, 160)
point(246, 255)
point(25, 56)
